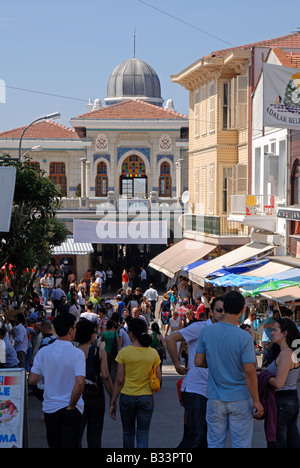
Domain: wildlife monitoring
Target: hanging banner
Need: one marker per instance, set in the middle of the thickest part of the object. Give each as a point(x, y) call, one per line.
point(12, 407)
point(281, 97)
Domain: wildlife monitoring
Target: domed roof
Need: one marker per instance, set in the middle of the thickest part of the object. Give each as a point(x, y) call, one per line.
point(134, 78)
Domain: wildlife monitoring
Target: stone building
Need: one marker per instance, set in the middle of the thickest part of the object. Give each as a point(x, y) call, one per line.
point(130, 152)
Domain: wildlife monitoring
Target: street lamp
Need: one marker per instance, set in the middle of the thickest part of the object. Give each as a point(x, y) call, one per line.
point(34, 149)
point(54, 115)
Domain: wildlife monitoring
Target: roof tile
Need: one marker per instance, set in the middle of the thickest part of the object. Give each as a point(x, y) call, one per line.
point(132, 110)
point(46, 129)
point(289, 41)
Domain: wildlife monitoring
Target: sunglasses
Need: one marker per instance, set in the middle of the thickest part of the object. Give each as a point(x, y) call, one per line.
point(219, 309)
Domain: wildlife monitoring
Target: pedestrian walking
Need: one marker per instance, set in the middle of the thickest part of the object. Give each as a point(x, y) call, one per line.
point(285, 370)
point(152, 296)
point(97, 377)
point(194, 384)
point(135, 363)
point(63, 368)
point(21, 341)
point(232, 391)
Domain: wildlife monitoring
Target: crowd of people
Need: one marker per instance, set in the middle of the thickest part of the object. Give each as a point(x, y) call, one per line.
point(74, 340)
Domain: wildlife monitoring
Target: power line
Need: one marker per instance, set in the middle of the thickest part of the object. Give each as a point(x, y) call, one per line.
point(44, 93)
point(186, 23)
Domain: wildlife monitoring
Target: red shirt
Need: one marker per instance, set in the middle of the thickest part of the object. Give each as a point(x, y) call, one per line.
point(201, 308)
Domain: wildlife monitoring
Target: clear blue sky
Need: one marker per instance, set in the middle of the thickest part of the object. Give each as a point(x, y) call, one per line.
point(69, 48)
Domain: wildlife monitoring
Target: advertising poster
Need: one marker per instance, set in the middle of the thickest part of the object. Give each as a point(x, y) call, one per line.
point(12, 396)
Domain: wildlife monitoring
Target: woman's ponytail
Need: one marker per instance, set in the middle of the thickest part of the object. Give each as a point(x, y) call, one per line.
point(139, 329)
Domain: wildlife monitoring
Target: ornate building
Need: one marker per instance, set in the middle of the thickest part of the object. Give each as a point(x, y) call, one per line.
point(130, 153)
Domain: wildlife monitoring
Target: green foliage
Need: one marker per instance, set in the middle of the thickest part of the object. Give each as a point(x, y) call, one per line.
point(34, 229)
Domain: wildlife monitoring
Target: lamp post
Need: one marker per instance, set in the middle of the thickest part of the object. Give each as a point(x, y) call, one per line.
point(34, 149)
point(55, 115)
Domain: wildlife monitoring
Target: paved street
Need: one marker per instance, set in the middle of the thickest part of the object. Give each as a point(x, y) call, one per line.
point(166, 427)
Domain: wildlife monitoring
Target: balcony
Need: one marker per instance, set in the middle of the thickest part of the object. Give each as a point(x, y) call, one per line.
point(214, 227)
point(256, 211)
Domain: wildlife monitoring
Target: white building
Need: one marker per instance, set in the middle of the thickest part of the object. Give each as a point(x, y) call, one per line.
point(130, 152)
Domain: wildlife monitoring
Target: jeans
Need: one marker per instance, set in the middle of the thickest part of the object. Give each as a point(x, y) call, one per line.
point(287, 433)
point(236, 416)
point(63, 428)
point(195, 414)
point(92, 419)
point(45, 295)
point(136, 413)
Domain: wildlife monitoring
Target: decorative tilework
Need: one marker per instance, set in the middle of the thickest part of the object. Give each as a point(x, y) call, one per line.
point(98, 156)
point(168, 156)
point(144, 151)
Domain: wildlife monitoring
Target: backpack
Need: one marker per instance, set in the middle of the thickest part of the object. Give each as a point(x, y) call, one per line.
point(93, 381)
point(114, 348)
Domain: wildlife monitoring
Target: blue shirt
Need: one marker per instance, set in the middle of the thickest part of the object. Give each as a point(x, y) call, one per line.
point(227, 348)
point(11, 354)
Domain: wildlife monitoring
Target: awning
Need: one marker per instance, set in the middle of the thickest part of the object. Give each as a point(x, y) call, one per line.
point(190, 266)
point(239, 255)
point(269, 270)
point(284, 296)
point(69, 247)
point(184, 252)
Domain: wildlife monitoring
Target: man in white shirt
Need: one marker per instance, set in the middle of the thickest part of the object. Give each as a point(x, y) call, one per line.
point(62, 366)
point(152, 296)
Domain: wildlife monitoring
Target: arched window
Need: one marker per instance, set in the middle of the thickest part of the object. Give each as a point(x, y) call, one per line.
point(165, 181)
point(133, 180)
point(101, 183)
point(35, 165)
point(57, 175)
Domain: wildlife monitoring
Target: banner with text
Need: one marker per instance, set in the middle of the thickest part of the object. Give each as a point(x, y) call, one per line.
point(281, 97)
point(12, 404)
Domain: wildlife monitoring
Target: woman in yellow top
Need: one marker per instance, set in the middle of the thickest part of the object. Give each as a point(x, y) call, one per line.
point(133, 382)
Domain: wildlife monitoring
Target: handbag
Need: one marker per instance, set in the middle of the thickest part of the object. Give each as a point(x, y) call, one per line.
point(154, 381)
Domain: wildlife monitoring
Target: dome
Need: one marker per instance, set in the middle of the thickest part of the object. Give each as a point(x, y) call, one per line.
point(134, 79)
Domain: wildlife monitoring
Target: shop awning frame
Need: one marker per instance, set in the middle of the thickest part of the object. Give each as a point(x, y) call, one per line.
point(70, 247)
point(184, 252)
point(236, 256)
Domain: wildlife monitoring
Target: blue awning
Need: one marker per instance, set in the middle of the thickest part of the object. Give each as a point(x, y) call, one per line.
point(241, 268)
point(193, 265)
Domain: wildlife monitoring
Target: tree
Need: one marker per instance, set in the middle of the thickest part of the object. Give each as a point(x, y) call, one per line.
point(34, 229)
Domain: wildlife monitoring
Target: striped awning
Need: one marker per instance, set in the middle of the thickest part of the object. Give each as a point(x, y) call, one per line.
point(69, 247)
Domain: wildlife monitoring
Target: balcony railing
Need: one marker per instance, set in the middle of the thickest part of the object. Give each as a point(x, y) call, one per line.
point(213, 225)
point(253, 205)
point(119, 204)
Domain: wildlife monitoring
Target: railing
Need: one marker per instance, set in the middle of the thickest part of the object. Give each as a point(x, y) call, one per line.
point(213, 225)
point(253, 204)
point(121, 204)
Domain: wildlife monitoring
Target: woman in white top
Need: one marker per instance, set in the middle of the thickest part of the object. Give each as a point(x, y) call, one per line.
point(175, 323)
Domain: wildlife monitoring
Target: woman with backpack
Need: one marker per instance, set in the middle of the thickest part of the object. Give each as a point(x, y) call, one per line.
point(97, 376)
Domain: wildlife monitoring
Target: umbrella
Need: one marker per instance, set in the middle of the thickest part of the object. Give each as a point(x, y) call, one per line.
point(272, 286)
point(236, 281)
